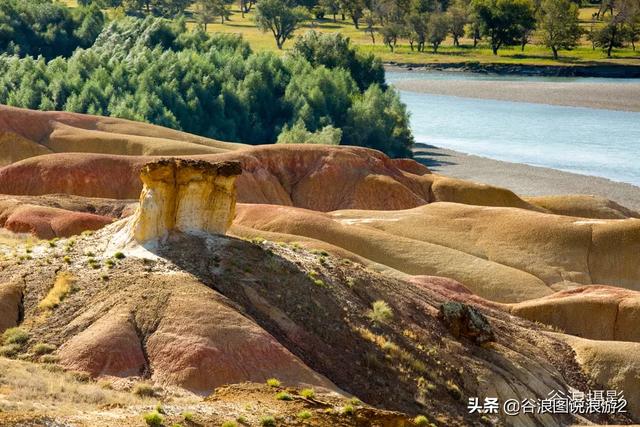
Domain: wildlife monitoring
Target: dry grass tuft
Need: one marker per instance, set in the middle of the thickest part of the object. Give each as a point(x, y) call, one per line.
point(61, 288)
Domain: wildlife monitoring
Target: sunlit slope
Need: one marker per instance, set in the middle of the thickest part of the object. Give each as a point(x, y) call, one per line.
point(502, 254)
point(28, 133)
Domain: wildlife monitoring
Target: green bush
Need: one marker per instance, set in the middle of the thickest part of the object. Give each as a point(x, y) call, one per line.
point(43, 348)
point(229, 424)
point(153, 419)
point(304, 415)
point(307, 393)
point(47, 28)
point(15, 335)
point(348, 410)
point(283, 395)
point(380, 312)
point(273, 382)
point(268, 421)
point(421, 420)
point(216, 87)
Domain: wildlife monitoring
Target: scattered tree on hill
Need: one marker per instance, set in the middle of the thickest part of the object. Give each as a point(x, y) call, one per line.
point(437, 30)
point(370, 21)
point(391, 32)
point(332, 7)
point(559, 25)
point(504, 22)
point(245, 6)
point(207, 10)
point(280, 17)
point(355, 9)
point(417, 27)
point(458, 17)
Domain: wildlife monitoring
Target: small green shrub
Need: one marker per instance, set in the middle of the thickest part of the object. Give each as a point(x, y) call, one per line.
point(268, 421)
point(188, 416)
point(355, 401)
point(421, 420)
point(308, 393)
point(273, 382)
point(67, 259)
point(348, 410)
point(160, 409)
point(119, 255)
point(283, 395)
point(229, 424)
point(15, 335)
point(380, 312)
point(153, 419)
point(43, 348)
point(304, 415)
point(242, 419)
point(318, 282)
point(144, 390)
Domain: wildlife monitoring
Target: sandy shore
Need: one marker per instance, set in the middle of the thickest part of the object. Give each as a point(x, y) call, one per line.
point(524, 179)
point(613, 96)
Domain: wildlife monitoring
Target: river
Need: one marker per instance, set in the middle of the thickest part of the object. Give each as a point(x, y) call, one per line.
point(589, 141)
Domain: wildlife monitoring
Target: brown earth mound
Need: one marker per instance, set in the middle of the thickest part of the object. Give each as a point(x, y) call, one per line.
point(594, 312)
point(28, 133)
point(502, 254)
point(583, 206)
point(47, 223)
point(212, 310)
point(291, 175)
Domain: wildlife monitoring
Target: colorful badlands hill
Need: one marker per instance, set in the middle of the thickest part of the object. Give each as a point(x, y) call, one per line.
point(320, 233)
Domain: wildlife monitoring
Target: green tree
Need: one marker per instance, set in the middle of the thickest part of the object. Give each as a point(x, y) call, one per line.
point(207, 10)
point(332, 7)
point(379, 120)
point(458, 18)
point(504, 22)
point(559, 25)
point(279, 17)
point(437, 30)
point(355, 9)
point(391, 32)
point(417, 26)
point(335, 51)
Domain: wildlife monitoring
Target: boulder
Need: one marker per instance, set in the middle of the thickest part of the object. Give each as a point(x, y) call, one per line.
point(465, 321)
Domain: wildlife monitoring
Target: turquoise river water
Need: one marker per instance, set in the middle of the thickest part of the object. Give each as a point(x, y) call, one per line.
point(583, 140)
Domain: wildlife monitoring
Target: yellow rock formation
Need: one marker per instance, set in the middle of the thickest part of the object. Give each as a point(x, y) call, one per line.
point(187, 196)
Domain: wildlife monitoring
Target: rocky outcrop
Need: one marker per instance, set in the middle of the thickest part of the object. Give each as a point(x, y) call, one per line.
point(465, 321)
point(186, 196)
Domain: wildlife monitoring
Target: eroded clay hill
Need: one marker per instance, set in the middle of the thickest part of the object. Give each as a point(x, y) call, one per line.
point(28, 133)
point(320, 234)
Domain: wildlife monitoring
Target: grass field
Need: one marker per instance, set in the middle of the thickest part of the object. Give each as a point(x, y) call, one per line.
point(533, 54)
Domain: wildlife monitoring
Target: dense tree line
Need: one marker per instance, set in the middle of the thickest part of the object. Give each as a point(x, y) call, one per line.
point(42, 27)
point(425, 23)
point(154, 70)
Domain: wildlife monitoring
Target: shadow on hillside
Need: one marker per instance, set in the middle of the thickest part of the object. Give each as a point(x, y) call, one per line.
point(280, 296)
point(431, 156)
